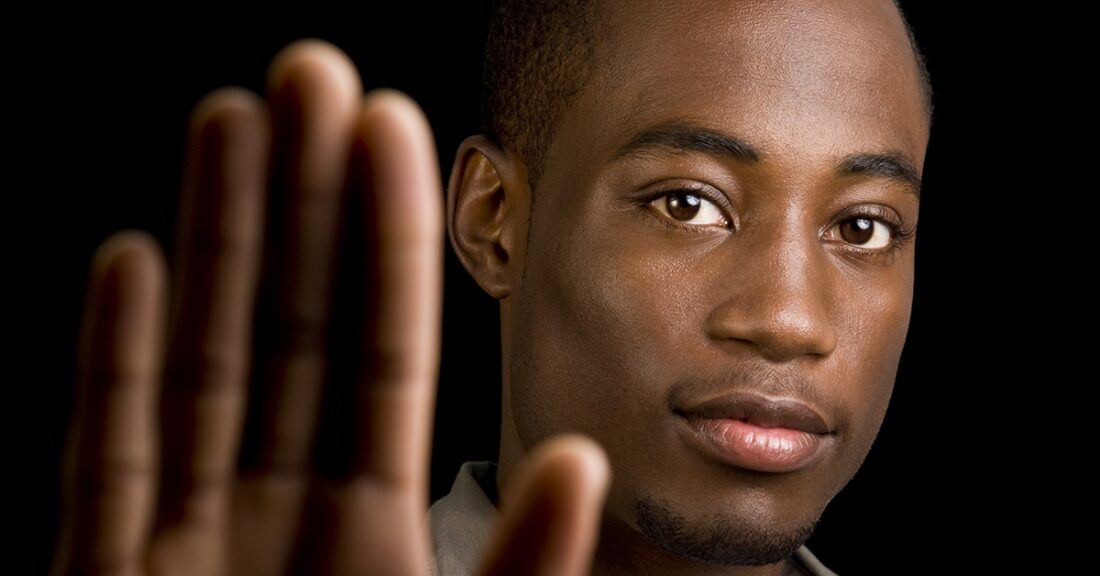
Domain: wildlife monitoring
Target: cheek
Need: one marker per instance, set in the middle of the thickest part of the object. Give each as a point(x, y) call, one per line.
point(598, 317)
point(874, 311)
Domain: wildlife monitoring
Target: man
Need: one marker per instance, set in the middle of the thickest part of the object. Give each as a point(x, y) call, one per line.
point(698, 218)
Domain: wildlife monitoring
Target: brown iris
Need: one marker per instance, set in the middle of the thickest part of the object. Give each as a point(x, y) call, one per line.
point(683, 205)
point(857, 230)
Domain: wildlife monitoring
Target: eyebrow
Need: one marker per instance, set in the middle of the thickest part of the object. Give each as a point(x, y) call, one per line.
point(890, 165)
point(682, 137)
point(688, 138)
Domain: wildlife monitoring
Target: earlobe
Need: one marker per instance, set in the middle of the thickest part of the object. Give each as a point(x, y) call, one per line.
point(487, 202)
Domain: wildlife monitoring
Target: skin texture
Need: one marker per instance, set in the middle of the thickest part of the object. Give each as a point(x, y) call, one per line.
point(617, 316)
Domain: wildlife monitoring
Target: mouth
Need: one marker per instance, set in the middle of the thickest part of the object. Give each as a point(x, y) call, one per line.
point(756, 432)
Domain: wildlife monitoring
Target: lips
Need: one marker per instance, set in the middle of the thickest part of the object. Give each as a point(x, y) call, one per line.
point(757, 432)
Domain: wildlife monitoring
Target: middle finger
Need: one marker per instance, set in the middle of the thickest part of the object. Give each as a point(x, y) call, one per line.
point(314, 95)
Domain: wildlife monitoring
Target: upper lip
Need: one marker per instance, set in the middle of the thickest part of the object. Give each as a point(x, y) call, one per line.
point(761, 410)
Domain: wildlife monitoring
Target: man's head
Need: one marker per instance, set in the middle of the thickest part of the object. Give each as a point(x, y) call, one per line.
point(717, 279)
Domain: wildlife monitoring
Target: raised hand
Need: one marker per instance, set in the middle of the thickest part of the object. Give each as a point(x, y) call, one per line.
point(155, 479)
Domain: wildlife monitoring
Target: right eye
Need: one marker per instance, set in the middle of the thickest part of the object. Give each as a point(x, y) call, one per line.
point(690, 208)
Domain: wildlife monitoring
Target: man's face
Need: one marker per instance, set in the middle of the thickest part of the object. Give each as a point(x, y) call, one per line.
point(719, 267)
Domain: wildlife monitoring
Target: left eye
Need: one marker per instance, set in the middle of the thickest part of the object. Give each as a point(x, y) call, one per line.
point(688, 207)
point(865, 232)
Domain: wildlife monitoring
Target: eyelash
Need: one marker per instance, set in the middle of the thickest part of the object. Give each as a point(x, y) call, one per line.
point(900, 234)
point(703, 193)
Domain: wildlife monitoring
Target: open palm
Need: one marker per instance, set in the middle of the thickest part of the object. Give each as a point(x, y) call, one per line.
point(154, 484)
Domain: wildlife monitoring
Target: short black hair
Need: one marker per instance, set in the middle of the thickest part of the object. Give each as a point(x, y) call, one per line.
point(539, 55)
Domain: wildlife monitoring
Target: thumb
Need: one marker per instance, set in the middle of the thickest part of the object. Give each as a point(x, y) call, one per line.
point(551, 511)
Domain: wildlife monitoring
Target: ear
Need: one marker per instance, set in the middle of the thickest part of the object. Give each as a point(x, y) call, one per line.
point(488, 202)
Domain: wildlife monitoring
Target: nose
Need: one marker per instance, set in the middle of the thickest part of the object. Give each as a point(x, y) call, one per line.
point(776, 296)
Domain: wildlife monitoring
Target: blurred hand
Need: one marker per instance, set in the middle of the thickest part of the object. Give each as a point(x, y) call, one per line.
point(155, 479)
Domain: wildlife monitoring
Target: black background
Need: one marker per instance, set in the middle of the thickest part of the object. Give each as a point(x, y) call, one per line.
point(98, 119)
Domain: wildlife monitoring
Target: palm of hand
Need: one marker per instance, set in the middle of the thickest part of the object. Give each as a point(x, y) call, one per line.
point(153, 483)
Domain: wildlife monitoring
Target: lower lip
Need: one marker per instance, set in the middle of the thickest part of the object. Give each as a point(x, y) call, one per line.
point(752, 447)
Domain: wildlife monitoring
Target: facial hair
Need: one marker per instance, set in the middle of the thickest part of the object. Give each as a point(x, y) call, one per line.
point(718, 539)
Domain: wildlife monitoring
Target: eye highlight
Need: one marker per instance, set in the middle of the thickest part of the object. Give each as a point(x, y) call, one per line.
point(865, 232)
point(873, 229)
point(691, 208)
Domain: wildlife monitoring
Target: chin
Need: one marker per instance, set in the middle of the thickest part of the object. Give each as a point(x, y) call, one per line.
point(722, 537)
point(694, 508)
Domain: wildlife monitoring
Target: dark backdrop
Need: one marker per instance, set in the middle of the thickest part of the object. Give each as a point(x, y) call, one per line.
point(98, 118)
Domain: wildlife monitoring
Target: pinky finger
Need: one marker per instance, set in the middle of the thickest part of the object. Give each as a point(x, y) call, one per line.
point(110, 465)
point(551, 511)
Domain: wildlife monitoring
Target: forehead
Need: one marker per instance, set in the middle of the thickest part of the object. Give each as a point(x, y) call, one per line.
point(788, 76)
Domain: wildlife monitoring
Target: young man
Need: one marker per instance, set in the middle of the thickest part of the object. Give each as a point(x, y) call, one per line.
point(698, 218)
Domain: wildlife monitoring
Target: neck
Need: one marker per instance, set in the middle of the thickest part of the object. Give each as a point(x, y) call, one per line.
point(623, 551)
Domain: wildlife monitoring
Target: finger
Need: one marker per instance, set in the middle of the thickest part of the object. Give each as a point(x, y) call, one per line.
point(110, 464)
point(314, 96)
point(376, 507)
point(314, 92)
point(551, 511)
point(215, 278)
point(404, 260)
